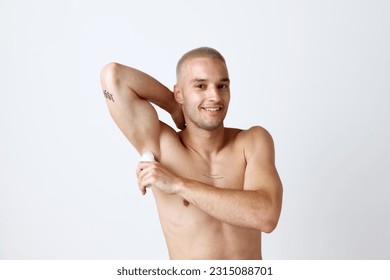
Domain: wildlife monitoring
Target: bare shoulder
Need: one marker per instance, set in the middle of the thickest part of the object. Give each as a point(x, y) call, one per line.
point(255, 135)
point(256, 141)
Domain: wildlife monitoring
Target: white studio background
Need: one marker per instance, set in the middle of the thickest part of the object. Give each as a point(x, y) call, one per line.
point(314, 73)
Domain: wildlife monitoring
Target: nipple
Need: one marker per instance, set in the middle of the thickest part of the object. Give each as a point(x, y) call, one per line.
point(186, 203)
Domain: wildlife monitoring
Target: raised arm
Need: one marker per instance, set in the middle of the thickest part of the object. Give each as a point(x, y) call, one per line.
point(128, 93)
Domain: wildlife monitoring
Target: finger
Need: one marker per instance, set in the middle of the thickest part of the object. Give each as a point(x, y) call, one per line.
point(145, 179)
point(142, 189)
point(141, 166)
point(145, 174)
point(141, 186)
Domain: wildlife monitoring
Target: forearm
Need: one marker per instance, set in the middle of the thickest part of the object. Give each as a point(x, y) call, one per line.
point(141, 84)
point(244, 208)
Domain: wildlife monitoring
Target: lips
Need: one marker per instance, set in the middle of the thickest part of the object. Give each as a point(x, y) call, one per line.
point(211, 109)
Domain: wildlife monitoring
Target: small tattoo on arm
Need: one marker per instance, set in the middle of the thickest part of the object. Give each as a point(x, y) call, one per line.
point(108, 95)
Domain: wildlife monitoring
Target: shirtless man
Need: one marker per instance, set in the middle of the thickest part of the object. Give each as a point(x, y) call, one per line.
point(216, 188)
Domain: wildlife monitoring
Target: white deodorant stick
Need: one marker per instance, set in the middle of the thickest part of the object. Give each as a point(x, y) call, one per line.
point(147, 156)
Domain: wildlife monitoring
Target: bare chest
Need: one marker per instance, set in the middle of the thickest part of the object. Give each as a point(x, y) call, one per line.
point(225, 171)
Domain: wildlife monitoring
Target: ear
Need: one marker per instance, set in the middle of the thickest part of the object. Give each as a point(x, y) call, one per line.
point(178, 94)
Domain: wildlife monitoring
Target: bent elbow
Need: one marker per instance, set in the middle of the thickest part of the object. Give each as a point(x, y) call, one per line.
point(267, 224)
point(110, 74)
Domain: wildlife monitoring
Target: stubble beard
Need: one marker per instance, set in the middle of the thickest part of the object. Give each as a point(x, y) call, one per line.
point(209, 126)
point(192, 115)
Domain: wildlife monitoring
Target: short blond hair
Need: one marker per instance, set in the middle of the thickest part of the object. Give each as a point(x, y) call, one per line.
point(205, 52)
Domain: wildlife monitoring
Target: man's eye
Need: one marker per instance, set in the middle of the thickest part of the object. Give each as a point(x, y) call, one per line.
point(202, 86)
point(223, 86)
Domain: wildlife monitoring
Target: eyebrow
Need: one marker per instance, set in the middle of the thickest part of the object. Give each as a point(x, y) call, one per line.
point(197, 80)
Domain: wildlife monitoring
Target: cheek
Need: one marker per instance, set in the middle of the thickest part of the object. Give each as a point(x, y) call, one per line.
point(191, 98)
point(227, 99)
point(189, 108)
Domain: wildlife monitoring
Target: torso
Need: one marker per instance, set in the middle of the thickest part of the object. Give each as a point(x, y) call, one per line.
point(189, 232)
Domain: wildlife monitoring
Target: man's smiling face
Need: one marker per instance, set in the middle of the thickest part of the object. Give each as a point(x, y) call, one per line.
point(204, 92)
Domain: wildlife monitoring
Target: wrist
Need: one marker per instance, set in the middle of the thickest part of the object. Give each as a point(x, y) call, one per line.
point(165, 100)
point(179, 186)
point(177, 116)
point(173, 106)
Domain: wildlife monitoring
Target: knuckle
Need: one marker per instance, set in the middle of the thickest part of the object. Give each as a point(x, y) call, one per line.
point(154, 172)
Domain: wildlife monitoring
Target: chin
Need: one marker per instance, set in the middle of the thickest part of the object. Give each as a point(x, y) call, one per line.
point(210, 126)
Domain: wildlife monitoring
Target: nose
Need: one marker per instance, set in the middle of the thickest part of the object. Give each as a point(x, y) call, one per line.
point(214, 94)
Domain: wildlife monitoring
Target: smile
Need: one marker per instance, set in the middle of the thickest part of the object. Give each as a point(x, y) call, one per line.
point(212, 109)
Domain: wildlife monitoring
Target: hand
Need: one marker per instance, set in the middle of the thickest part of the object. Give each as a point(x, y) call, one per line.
point(154, 174)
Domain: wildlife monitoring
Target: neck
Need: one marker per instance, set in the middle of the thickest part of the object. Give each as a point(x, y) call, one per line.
point(205, 143)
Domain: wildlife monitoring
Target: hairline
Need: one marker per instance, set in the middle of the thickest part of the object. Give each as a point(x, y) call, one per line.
point(202, 52)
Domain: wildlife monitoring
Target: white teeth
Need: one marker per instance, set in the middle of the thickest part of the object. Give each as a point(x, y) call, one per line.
point(212, 109)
